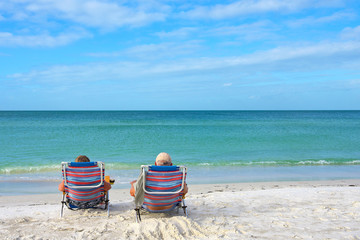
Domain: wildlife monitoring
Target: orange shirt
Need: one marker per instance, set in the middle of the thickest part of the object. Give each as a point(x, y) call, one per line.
point(107, 186)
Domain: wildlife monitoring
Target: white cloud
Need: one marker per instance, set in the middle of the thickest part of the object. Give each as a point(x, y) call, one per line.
point(321, 20)
point(351, 33)
point(295, 52)
point(179, 33)
point(153, 51)
point(72, 74)
point(253, 31)
point(41, 40)
point(227, 84)
point(249, 31)
point(354, 83)
point(246, 7)
point(294, 57)
point(287, 58)
point(94, 13)
point(163, 50)
point(105, 54)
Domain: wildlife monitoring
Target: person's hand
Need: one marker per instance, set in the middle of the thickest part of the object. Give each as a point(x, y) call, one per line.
point(132, 189)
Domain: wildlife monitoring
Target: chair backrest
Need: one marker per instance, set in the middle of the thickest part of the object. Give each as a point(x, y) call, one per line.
point(163, 186)
point(84, 182)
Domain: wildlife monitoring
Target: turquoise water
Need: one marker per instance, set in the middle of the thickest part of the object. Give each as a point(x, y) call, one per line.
point(217, 146)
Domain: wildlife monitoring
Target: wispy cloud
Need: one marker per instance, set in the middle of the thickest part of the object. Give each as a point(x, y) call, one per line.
point(321, 55)
point(41, 40)
point(254, 97)
point(311, 20)
point(74, 74)
point(168, 50)
point(105, 54)
point(178, 33)
point(295, 52)
point(284, 58)
point(354, 83)
point(259, 30)
point(92, 13)
point(246, 7)
point(351, 33)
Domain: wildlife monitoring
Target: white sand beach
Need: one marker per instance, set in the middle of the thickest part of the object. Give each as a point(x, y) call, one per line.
point(282, 210)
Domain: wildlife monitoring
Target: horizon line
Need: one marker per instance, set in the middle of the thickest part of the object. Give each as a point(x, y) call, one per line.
point(170, 110)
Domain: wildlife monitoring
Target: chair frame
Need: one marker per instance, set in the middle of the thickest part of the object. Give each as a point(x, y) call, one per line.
point(144, 169)
point(101, 165)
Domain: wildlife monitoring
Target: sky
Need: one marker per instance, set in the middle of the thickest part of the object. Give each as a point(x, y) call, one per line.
point(179, 55)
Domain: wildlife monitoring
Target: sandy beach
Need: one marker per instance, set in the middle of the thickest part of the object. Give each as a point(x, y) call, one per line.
point(282, 210)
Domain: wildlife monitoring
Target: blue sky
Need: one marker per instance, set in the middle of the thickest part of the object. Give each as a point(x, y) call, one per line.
point(174, 55)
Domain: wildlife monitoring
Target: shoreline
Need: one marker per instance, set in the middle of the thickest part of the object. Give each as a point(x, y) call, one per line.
point(122, 193)
point(11, 185)
point(265, 210)
point(48, 188)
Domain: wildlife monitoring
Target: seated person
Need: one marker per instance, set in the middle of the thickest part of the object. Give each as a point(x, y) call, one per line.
point(83, 158)
point(137, 191)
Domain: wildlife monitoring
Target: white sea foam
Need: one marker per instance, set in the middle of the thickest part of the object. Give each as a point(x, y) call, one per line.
point(30, 169)
point(206, 164)
point(261, 163)
point(353, 162)
point(319, 162)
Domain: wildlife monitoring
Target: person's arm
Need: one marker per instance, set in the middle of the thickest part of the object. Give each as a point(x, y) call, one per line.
point(185, 189)
point(132, 189)
point(62, 186)
point(107, 186)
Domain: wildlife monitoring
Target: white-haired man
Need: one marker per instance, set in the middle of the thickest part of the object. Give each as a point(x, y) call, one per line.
point(137, 191)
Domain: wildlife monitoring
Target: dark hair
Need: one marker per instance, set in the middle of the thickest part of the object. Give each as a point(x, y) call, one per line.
point(82, 158)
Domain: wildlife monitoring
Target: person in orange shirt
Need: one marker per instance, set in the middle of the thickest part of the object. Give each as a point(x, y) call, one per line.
point(83, 158)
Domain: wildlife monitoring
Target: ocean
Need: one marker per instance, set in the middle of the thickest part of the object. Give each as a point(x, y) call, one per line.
point(216, 146)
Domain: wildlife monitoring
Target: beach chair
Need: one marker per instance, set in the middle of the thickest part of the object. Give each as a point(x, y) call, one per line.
point(84, 186)
point(163, 186)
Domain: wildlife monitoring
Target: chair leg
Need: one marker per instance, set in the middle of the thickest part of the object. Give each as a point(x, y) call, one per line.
point(106, 200)
point(62, 206)
point(185, 211)
point(184, 207)
point(137, 214)
point(62, 210)
point(107, 204)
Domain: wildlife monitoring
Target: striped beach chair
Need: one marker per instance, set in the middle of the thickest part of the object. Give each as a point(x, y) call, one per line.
point(163, 186)
point(84, 186)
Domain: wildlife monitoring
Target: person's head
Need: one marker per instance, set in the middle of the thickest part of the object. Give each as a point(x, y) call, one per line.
point(163, 159)
point(82, 158)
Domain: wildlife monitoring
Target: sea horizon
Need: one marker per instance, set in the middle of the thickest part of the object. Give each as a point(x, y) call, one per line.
point(180, 110)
